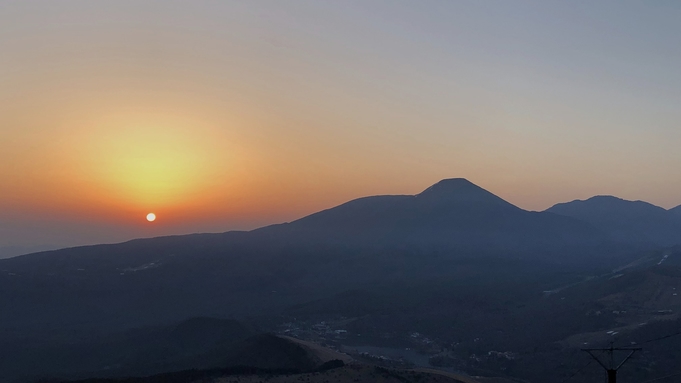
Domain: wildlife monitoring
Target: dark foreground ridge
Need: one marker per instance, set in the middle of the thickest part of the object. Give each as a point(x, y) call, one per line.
point(203, 375)
point(334, 371)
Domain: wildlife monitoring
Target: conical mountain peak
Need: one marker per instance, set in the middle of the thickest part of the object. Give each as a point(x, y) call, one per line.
point(451, 185)
point(460, 190)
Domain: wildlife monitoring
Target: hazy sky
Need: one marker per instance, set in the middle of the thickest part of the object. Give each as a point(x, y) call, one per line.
point(219, 115)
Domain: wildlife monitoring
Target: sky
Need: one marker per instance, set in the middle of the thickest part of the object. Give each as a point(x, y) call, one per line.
point(221, 115)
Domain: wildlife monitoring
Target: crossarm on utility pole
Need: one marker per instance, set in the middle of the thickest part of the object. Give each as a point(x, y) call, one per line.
point(596, 358)
point(611, 370)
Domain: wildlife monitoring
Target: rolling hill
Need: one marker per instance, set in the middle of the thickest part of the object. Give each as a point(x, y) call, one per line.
point(626, 221)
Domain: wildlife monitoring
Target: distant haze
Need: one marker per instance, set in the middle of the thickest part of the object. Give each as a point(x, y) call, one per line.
point(233, 115)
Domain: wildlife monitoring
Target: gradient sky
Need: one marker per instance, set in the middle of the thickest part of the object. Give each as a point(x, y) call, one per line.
point(222, 115)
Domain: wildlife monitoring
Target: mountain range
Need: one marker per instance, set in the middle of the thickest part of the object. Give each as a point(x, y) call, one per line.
point(452, 261)
point(453, 213)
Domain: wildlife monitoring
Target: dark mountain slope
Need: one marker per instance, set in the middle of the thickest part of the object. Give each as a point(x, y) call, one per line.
point(198, 343)
point(626, 221)
point(368, 241)
point(270, 352)
point(141, 351)
point(452, 232)
point(676, 210)
point(452, 213)
point(337, 373)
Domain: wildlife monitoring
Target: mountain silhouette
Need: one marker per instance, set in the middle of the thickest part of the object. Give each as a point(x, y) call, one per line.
point(387, 248)
point(626, 221)
point(462, 192)
point(452, 213)
point(236, 272)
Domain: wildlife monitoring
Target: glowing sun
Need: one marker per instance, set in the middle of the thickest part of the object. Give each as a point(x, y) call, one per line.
point(151, 217)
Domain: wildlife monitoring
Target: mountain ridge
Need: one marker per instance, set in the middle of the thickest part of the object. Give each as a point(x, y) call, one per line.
point(445, 194)
point(449, 252)
point(624, 220)
point(451, 213)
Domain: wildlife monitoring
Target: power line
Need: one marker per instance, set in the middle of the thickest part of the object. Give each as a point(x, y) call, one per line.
point(661, 338)
point(663, 377)
point(571, 357)
point(577, 372)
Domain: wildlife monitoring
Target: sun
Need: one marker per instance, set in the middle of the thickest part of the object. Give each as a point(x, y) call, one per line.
point(151, 217)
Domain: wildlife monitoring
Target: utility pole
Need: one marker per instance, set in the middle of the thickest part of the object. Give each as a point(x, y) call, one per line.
point(609, 365)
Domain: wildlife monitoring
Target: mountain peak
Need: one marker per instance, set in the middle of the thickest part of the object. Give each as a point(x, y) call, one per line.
point(460, 190)
point(451, 185)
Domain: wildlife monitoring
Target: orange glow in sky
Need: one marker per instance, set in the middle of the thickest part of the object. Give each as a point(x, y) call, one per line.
point(220, 116)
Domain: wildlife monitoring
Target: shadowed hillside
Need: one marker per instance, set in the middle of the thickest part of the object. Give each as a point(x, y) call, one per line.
point(144, 282)
point(454, 262)
point(342, 374)
point(453, 213)
point(626, 221)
